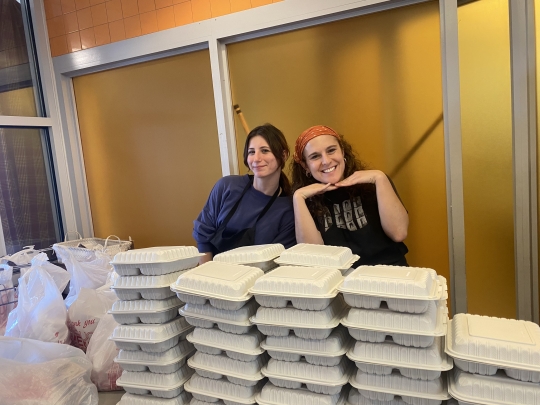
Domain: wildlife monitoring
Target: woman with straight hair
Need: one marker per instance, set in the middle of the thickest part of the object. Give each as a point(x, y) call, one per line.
point(252, 209)
point(339, 202)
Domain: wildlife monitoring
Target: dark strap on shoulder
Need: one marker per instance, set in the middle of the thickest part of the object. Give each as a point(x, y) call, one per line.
point(235, 207)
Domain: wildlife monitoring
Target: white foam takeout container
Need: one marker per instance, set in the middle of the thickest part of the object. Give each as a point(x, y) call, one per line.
point(206, 316)
point(305, 254)
point(209, 390)
point(412, 283)
point(162, 363)
point(225, 285)
point(145, 311)
point(307, 288)
point(384, 387)
point(145, 287)
point(323, 352)
point(492, 390)
point(399, 338)
point(274, 395)
point(158, 385)
point(151, 338)
point(291, 317)
point(129, 399)
point(319, 379)
point(155, 261)
point(246, 347)
point(389, 353)
point(236, 371)
point(260, 256)
point(357, 398)
point(482, 344)
point(431, 323)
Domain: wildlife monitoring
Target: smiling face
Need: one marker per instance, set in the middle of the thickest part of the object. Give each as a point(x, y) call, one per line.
point(324, 159)
point(260, 158)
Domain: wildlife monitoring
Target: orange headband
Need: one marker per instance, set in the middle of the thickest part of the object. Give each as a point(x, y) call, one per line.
point(307, 136)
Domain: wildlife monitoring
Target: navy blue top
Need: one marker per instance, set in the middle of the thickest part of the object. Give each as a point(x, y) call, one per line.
point(276, 226)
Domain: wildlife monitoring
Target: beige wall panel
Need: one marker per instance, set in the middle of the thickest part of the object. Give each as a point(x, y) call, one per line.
point(377, 80)
point(486, 110)
point(150, 145)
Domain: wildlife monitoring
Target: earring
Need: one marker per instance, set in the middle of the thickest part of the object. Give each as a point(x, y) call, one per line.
point(345, 159)
point(308, 173)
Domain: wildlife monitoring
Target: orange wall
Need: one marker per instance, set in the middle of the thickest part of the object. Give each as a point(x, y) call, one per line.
point(74, 25)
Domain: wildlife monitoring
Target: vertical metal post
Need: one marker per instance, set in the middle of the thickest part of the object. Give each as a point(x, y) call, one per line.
point(453, 156)
point(523, 68)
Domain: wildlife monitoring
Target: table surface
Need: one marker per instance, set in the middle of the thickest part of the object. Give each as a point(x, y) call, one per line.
point(110, 398)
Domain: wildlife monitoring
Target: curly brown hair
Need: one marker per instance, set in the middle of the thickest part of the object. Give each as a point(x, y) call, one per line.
point(352, 164)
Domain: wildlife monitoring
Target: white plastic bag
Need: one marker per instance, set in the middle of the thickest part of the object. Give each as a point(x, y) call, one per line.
point(22, 257)
point(58, 274)
point(40, 313)
point(91, 275)
point(39, 373)
point(101, 352)
point(85, 313)
point(7, 295)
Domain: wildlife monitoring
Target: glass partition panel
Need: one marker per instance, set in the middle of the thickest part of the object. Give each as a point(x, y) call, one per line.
point(377, 80)
point(150, 145)
point(28, 208)
point(486, 112)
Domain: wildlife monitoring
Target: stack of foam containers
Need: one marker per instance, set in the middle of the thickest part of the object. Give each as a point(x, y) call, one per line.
point(260, 256)
point(497, 360)
point(151, 335)
point(299, 314)
point(399, 319)
point(229, 357)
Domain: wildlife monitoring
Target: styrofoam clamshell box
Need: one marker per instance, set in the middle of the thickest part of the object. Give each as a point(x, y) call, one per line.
point(236, 371)
point(145, 311)
point(226, 285)
point(384, 387)
point(151, 338)
point(226, 319)
point(274, 395)
point(159, 385)
point(162, 363)
point(413, 283)
point(324, 352)
point(482, 344)
point(433, 322)
point(394, 304)
point(145, 287)
point(129, 399)
point(319, 379)
point(291, 317)
point(260, 256)
point(392, 355)
point(155, 261)
point(492, 390)
point(246, 347)
point(399, 338)
point(357, 398)
point(306, 288)
point(209, 390)
point(305, 254)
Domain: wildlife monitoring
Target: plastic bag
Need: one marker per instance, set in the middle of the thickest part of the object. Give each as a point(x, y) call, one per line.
point(7, 295)
point(101, 352)
point(22, 257)
point(39, 373)
point(59, 275)
point(40, 313)
point(91, 275)
point(85, 313)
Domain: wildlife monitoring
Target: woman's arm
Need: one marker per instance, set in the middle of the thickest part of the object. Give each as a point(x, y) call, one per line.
point(394, 217)
point(208, 256)
point(305, 228)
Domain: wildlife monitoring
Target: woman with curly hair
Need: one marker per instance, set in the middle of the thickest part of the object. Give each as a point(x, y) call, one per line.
point(338, 201)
